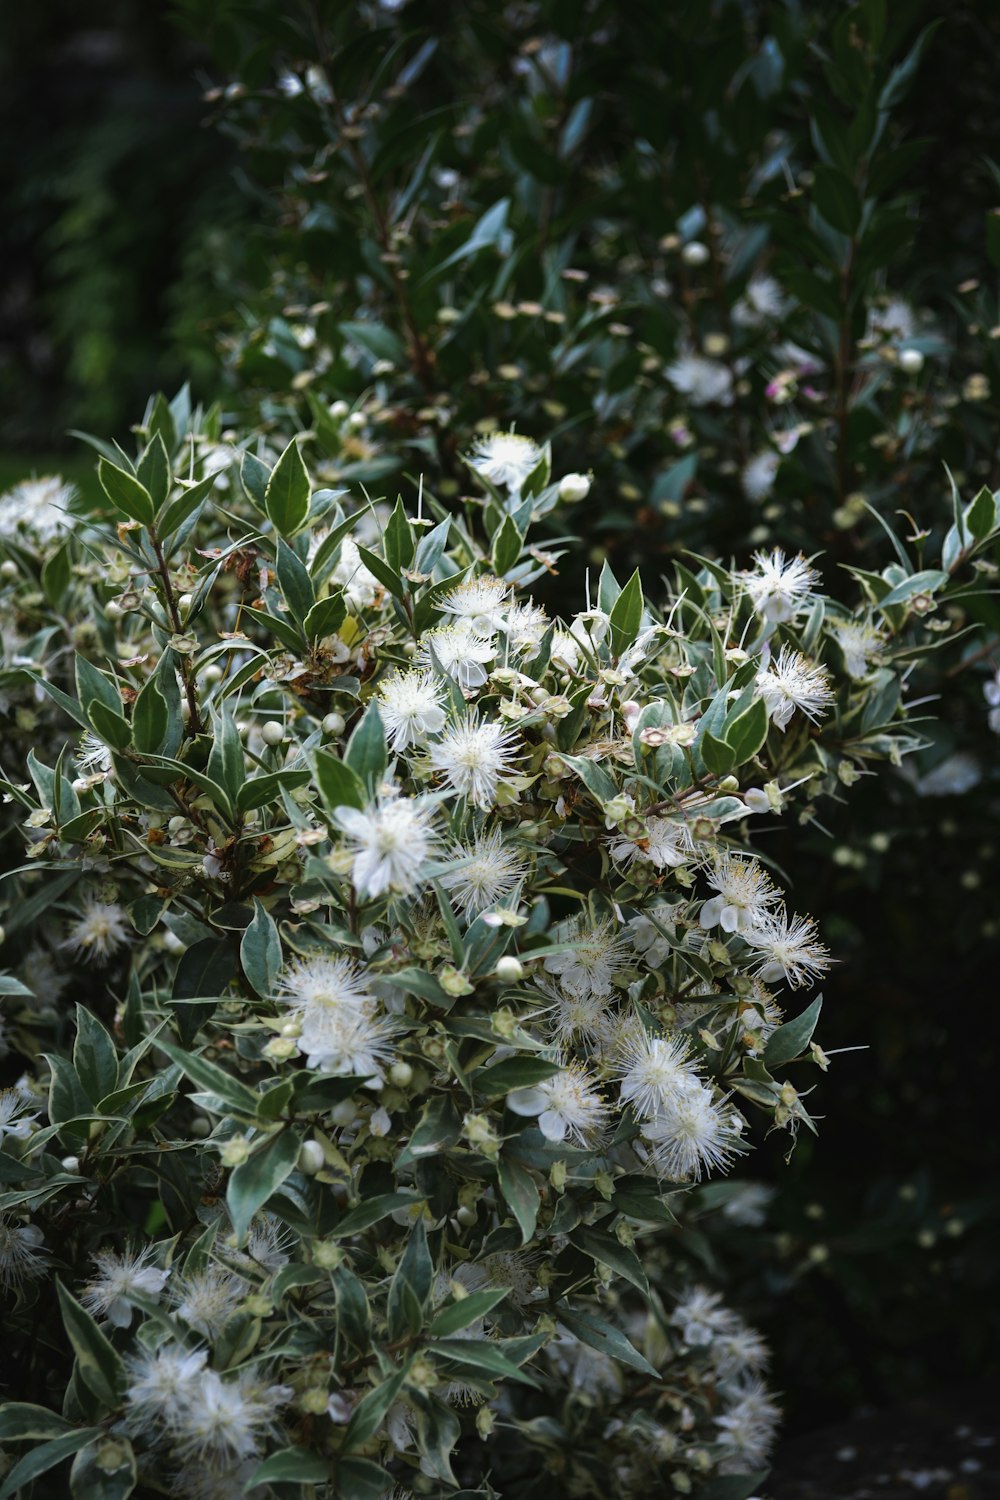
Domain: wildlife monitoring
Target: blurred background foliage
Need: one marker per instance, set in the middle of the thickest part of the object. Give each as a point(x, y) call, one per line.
point(534, 214)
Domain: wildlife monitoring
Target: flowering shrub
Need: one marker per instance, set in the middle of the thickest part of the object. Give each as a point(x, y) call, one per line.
point(424, 959)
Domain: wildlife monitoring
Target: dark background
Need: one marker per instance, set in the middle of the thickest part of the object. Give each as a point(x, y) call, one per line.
point(127, 225)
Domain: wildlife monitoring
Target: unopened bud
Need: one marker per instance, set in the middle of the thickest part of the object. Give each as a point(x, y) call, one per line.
point(573, 487)
point(509, 969)
point(272, 733)
point(695, 253)
point(333, 724)
point(311, 1158)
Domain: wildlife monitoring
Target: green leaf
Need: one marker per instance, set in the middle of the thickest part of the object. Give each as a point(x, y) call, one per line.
point(93, 687)
point(366, 752)
point(99, 1363)
point(213, 1079)
point(125, 492)
point(512, 1073)
point(521, 1192)
point(20, 1420)
point(353, 1314)
point(286, 497)
point(94, 1056)
point(150, 719)
point(719, 757)
point(254, 1181)
point(482, 1356)
point(835, 195)
point(387, 576)
point(626, 615)
point(792, 1039)
point(367, 1214)
point(67, 1099)
point(184, 505)
point(927, 582)
point(339, 785)
point(153, 470)
point(601, 1245)
point(593, 776)
point(458, 1315)
point(226, 761)
point(296, 585)
point(981, 514)
point(40, 1460)
point(56, 574)
point(260, 950)
point(360, 1479)
point(379, 341)
point(746, 733)
point(430, 548)
point(410, 1286)
point(291, 1465)
point(255, 476)
point(438, 1128)
point(262, 790)
point(325, 617)
point(507, 546)
point(397, 541)
point(366, 1418)
point(733, 1486)
point(110, 727)
point(603, 1336)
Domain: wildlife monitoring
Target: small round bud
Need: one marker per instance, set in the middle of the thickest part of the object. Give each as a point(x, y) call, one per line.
point(291, 1028)
point(272, 733)
point(338, 410)
point(81, 784)
point(185, 602)
point(112, 610)
point(509, 969)
point(311, 1158)
point(695, 253)
point(333, 724)
point(344, 1113)
point(8, 570)
point(911, 360)
point(70, 1164)
point(574, 487)
point(401, 1074)
point(466, 1216)
point(212, 673)
point(201, 1127)
point(356, 421)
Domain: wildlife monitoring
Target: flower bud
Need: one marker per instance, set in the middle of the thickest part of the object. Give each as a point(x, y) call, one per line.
point(70, 1164)
point(333, 724)
point(112, 610)
point(573, 487)
point(911, 361)
point(509, 969)
point(272, 733)
point(401, 1074)
point(8, 570)
point(338, 410)
point(185, 602)
point(695, 253)
point(311, 1158)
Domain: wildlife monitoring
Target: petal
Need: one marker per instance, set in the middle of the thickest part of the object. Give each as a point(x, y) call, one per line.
point(529, 1101)
point(552, 1125)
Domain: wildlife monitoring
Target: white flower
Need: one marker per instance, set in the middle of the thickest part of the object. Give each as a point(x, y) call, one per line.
point(160, 1383)
point(746, 1204)
point(593, 957)
point(526, 624)
point(37, 506)
point(480, 604)
point(861, 644)
point(353, 1044)
point(665, 845)
point(991, 692)
point(747, 1429)
point(739, 1351)
point(208, 1298)
point(701, 1316)
point(653, 933)
point(14, 1118)
point(225, 1419)
point(705, 382)
point(567, 1105)
point(459, 652)
point(788, 947)
point(759, 473)
point(762, 300)
point(361, 588)
point(411, 706)
point(655, 1071)
point(779, 587)
point(118, 1277)
point(745, 893)
point(694, 1136)
point(515, 1269)
point(895, 321)
point(22, 1258)
point(99, 931)
point(93, 756)
point(493, 868)
point(391, 841)
point(565, 652)
point(573, 1016)
point(474, 757)
point(267, 1245)
point(506, 459)
point(793, 682)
